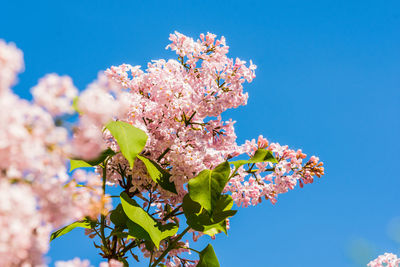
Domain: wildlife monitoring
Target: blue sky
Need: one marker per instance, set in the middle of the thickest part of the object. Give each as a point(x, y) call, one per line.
point(328, 81)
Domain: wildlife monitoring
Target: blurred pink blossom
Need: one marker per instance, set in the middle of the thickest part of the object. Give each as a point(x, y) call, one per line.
point(385, 260)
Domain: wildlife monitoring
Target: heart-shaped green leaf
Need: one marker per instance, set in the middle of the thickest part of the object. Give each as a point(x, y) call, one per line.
point(200, 220)
point(206, 188)
point(130, 139)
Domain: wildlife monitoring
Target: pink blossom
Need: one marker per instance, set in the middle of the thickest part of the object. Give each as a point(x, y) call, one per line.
point(111, 263)
point(34, 182)
point(385, 260)
point(76, 262)
point(177, 103)
point(173, 101)
point(24, 238)
point(97, 104)
point(88, 140)
point(11, 62)
point(283, 176)
point(55, 93)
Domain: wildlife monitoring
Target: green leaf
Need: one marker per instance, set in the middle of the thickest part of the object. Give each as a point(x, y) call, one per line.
point(223, 209)
point(130, 139)
point(140, 217)
point(192, 211)
point(78, 163)
point(158, 174)
point(206, 188)
point(200, 220)
point(143, 221)
point(214, 229)
point(149, 245)
point(68, 228)
point(208, 257)
point(118, 216)
point(167, 230)
point(261, 155)
point(137, 231)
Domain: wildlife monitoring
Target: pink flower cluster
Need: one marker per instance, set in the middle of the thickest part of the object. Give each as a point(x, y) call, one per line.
point(85, 263)
point(283, 176)
point(55, 94)
point(34, 182)
point(11, 62)
point(24, 239)
point(76, 262)
point(385, 260)
point(179, 103)
point(98, 104)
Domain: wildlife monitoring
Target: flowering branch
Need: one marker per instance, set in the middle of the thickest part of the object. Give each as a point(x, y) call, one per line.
point(155, 134)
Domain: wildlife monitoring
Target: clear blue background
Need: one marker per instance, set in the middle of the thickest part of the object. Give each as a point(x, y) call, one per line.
point(327, 82)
